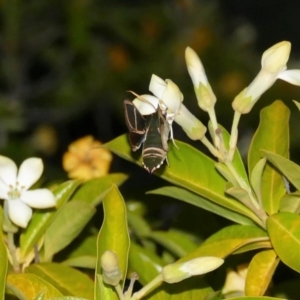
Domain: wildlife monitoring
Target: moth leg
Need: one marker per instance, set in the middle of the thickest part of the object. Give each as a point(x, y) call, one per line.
point(172, 137)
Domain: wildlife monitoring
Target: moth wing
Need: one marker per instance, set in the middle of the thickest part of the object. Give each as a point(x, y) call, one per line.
point(164, 129)
point(136, 125)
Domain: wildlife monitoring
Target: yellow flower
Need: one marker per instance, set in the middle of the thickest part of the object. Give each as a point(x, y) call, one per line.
point(85, 159)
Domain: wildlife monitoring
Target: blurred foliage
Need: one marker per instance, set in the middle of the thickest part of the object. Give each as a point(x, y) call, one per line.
point(66, 66)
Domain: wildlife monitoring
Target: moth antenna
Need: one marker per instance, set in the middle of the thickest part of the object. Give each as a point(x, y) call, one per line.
point(142, 99)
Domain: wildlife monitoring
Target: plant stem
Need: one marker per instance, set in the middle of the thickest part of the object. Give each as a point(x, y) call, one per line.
point(233, 135)
point(147, 288)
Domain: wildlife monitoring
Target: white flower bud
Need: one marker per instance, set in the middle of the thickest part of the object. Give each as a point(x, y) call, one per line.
point(179, 271)
point(273, 67)
point(194, 129)
point(110, 268)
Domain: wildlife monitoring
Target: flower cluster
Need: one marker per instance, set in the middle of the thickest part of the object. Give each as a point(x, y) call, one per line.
point(167, 96)
point(86, 159)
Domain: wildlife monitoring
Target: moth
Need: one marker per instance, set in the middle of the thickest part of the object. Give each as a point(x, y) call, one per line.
point(152, 131)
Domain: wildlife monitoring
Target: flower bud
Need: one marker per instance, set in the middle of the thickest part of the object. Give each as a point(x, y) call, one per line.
point(275, 58)
point(205, 96)
point(110, 268)
point(194, 129)
point(179, 271)
point(273, 64)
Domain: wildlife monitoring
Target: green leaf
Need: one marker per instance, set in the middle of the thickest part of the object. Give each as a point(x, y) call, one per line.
point(260, 244)
point(94, 190)
point(112, 236)
point(69, 222)
point(272, 135)
point(3, 259)
point(29, 286)
point(41, 219)
point(284, 232)
point(260, 272)
point(194, 288)
point(67, 280)
point(288, 168)
point(144, 262)
point(254, 298)
point(192, 198)
point(191, 169)
point(237, 161)
point(84, 255)
point(229, 240)
point(290, 203)
point(256, 178)
point(138, 225)
point(175, 241)
point(68, 298)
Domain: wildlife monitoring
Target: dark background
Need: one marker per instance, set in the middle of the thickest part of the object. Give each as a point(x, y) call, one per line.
point(66, 66)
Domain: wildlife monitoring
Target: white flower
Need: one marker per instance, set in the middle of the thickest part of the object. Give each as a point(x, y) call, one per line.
point(14, 187)
point(166, 95)
point(179, 271)
point(169, 99)
point(205, 96)
point(273, 67)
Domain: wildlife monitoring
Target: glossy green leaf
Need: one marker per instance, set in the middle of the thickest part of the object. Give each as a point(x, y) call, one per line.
point(290, 203)
point(224, 171)
point(192, 198)
point(3, 259)
point(138, 225)
point(144, 262)
point(254, 298)
point(288, 168)
point(256, 178)
point(263, 244)
point(229, 240)
point(284, 232)
point(88, 262)
point(29, 286)
point(68, 223)
point(190, 169)
point(68, 298)
point(193, 288)
point(272, 135)
point(112, 236)
point(237, 161)
point(94, 190)
point(260, 272)
point(67, 280)
point(41, 219)
point(84, 255)
point(175, 241)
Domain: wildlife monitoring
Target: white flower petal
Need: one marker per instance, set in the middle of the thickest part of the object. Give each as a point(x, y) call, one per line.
point(195, 67)
point(30, 171)
point(147, 106)
point(157, 86)
point(4, 189)
point(202, 265)
point(275, 58)
point(291, 76)
point(39, 198)
point(172, 97)
point(19, 212)
point(190, 124)
point(8, 170)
